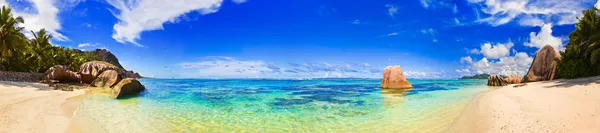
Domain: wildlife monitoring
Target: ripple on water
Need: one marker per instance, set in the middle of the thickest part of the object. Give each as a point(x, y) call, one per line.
point(279, 106)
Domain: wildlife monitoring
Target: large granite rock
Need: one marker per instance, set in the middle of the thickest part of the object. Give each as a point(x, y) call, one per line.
point(496, 80)
point(108, 78)
point(127, 86)
point(544, 65)
point(514, 79)
point(393, 78)
point(107, 56)
point(131, 74)
point(61, 73)
point(90, 70)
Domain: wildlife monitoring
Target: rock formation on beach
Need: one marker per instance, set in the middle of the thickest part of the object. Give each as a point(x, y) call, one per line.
point(514, 79)
point(496, 80)
point(107, 56)
point(393, 78)
point(97, 74)
point(90, 70)
point(544, 65)
point(61, 74)
point(127, 86)
point(108, 78)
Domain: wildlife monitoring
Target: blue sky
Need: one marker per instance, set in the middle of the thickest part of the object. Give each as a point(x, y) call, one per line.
point(309, 38)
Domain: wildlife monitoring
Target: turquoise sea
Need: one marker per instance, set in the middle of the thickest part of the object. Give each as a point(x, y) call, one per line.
point(313, 106)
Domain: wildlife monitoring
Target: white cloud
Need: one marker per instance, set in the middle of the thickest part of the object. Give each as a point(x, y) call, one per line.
point(517, 64)
point(531, 12)
point(85, 45)
point(496, 51)
point(474, 51)
point(228, 67)
point(422, 75)
point(463, 71)
point(425, 3)
point(45, 17)
point(597, 5)
point(544, 37)
point(88, 25)
point(435, 4)
point(429, 31)
point(457, 22)
point(392, 10)
point(134, 15)
point(356, 21)
point(466, 59)
point(90, 46)
point(239, 1)
point(393, 34)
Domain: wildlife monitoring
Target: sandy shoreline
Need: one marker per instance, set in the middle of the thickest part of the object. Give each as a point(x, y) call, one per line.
point(550, 106)
point(33, 107)
point(570, 106)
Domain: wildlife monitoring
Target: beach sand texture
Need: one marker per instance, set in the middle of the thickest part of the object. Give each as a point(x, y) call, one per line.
point(563, 106)
point(549, 106)
point(33, 107)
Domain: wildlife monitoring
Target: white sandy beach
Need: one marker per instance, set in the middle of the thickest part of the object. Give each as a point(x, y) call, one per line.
point(33, 107)
point(563, 106)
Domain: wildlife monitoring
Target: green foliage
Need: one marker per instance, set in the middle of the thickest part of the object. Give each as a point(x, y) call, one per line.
point(478, 76)
point(20, 54)
point(582, 56)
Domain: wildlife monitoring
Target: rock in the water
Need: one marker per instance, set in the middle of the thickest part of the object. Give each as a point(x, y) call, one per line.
point(496, 80)
point(90, 70)
point(544, 65)
point(393, 78)
point(108, 78)
point(514, 79)
point(127, 86)
point(62, 74)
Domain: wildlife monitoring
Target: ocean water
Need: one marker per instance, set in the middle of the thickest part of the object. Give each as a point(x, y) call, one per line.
point(313, 106)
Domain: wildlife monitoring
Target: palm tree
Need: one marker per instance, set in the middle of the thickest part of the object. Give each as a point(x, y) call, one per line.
point(586, 37)
point(11, 38)
point(41, 50)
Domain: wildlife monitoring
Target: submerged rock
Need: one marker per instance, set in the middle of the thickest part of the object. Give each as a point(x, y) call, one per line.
point(496, 80)
point(393, 78)
point(108, 78)
point(127, 86)
point(90, 70)
point(544, 65)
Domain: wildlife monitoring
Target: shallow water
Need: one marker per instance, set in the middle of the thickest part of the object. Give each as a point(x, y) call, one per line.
point(194, 105)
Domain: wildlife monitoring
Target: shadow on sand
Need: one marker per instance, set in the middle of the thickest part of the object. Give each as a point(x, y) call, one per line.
point(39, 86)
point(573, 82)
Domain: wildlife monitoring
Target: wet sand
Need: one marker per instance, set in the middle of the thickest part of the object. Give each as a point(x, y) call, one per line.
point(569, 106)
point(34, 107)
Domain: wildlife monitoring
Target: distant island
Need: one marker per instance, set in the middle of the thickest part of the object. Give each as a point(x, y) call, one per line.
point(478, 76)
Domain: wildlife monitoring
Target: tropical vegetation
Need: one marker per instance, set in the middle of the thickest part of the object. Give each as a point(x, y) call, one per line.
point(478, 76)
point(582, 55)
point(34, 54)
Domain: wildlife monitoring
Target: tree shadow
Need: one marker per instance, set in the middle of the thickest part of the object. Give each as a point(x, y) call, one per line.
point(39, 86)
point(573, 82)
